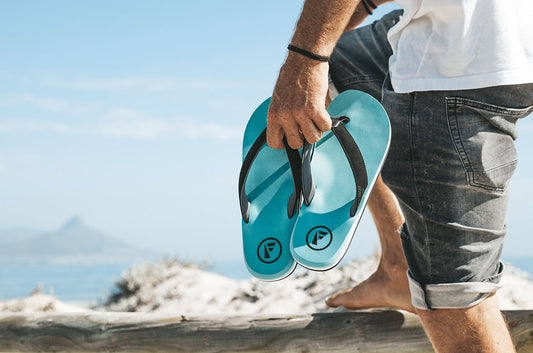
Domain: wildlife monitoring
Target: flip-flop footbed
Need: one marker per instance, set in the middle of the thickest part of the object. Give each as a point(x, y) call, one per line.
point(266, 225)
point(324, 228)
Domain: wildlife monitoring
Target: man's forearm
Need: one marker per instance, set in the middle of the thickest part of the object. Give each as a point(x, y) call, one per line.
point(361, 13)
point(297, 110)
point(321, 24)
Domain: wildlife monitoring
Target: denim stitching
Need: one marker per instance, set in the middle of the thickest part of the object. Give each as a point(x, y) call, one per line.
point(493, 108)
point(487, 187)
point(498, 167)
point(453, 125)
point(415, 182)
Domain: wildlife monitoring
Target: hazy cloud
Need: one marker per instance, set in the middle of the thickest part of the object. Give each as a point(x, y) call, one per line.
point(49, 104)
point(13, 126)
point(127, 123)
point(135, 124)
point(156, 84)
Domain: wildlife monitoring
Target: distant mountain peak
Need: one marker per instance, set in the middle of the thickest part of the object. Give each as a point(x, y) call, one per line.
point(74, 241)
point(73, 222)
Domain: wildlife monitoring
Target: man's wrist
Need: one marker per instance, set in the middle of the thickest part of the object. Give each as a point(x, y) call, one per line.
point(308, 54)
point(294, 58)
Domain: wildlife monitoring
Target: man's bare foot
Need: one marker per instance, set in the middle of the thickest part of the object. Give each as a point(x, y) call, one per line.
point(386, 288)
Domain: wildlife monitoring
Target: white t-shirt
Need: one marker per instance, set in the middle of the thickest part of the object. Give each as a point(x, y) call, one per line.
point(461, 44)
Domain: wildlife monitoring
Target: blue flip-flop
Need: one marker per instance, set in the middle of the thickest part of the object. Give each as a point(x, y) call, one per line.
point(338, 174)
point(270, 197)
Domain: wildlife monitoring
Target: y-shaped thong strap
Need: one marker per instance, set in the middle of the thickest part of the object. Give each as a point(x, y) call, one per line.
point(355, 159)
point(295, 164)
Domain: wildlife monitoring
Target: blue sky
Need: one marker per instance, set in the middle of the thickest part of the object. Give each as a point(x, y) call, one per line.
point(130, 115)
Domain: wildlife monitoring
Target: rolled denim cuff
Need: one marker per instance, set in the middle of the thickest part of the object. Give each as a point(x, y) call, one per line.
point(451, 295)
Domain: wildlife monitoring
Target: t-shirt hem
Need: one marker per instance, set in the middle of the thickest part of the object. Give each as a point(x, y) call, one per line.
point(407, 85)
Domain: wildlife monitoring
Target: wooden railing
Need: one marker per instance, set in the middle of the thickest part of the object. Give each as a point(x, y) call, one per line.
point(382, 331)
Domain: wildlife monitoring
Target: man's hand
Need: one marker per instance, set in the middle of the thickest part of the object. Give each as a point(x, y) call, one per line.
point(297, 109)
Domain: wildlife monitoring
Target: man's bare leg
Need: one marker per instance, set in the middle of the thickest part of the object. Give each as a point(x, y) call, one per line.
point(388, 286)
point(477, 329)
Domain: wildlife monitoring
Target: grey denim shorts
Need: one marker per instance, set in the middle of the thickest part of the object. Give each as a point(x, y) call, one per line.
point(451, 158)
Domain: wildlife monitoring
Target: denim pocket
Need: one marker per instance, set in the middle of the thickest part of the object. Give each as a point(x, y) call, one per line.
point(483, 135)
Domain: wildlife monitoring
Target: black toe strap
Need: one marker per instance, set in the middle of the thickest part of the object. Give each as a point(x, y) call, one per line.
point(308, 185)
point(295, 166)
point(355, 159)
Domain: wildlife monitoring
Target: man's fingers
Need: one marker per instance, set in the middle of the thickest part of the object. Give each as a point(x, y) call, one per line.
point(297, 126)
point(305, 126)
point(275, 136)
point(293, 134)
point(310, 131)
point(313, 124)
point(322, 121)
point(295, 141)
point(281, 124)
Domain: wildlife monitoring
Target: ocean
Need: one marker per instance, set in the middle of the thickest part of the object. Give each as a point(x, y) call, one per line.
point(69, 282)
point(81, 282)
point(91, 283)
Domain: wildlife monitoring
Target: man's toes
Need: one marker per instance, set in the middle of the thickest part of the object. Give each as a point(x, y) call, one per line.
point(331, 302)
point(336, 300)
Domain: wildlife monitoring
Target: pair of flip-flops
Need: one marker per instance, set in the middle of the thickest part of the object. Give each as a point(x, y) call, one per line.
point(303, 207)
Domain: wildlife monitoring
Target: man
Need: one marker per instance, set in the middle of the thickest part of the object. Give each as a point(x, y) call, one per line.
point(454, 77)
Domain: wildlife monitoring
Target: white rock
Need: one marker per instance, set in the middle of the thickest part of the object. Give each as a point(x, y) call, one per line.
point(171, 287)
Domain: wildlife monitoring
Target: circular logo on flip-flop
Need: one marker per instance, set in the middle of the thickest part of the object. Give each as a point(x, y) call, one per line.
point(269, 250)
point(319, 238)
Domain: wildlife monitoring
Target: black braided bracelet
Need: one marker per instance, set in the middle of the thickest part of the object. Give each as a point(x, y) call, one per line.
point(308, 53)
point(369, 2)
point(369, 6)
point(368, 11)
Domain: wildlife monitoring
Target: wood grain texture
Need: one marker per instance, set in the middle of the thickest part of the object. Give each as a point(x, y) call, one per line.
point(382, 331)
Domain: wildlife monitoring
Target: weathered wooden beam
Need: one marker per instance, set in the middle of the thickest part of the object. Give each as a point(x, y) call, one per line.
point(384, 331)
